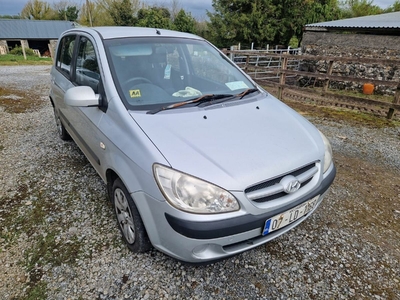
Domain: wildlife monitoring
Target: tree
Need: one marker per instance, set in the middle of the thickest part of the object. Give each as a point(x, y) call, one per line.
point(394, 7)
point(317, 11)
point(70, 13)
point(155, 17)
point(175, 8)
point(122, 13)
point(36, 10)
point(266, 21)
point(360, 8)
point(241, 21)
point(184, 22)
point(86, 17)
point(321, 11)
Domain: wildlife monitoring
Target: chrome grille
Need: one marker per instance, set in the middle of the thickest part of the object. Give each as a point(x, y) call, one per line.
point(272, 189)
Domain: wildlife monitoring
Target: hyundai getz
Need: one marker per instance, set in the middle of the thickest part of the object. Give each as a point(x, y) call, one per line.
point(199, 161)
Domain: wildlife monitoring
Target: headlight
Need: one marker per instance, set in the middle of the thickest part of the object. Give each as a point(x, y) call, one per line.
point(191, 194)
point(328, 152)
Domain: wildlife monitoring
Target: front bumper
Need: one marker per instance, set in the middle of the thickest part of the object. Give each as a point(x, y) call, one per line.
point(202, 241)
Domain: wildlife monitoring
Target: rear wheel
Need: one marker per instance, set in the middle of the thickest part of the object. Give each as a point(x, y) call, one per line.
point(129, 221)
point(62, 132)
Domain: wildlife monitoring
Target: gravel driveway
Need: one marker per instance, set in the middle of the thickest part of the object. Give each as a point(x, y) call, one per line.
point(59, 239)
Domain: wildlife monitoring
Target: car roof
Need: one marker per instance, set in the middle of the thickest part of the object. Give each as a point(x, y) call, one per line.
point(112, 32)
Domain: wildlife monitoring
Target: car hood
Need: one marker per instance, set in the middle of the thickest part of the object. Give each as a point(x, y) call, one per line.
point(235, 144)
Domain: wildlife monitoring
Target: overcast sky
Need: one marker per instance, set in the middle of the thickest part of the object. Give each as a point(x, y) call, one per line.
point(196, 7)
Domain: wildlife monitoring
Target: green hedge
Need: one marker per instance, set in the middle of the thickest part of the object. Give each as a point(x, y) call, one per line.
point(18, 51)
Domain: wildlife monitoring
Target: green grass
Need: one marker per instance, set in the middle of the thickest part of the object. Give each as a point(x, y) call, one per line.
point(36, 292)
point(359, 94)
point(14, 60)
point(47, 250)
point(354, 117)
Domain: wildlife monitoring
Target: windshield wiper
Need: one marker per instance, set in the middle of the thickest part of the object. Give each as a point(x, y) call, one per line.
point(240, 96)
point(203, 98)
point(246, 92)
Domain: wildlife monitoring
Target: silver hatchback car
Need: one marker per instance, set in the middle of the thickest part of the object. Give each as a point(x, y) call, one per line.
point(199, 161)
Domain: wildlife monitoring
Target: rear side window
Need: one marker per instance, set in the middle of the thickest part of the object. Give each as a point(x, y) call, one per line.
point(65, 53)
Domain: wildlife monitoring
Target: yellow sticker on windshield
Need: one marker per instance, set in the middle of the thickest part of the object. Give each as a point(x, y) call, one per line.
point(135, 93)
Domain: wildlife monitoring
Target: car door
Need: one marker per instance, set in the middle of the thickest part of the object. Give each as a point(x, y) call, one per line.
point(62, 72)
point(82, 122)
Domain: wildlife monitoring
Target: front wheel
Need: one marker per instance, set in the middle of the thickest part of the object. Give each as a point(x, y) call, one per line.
point(62, 132)
point(129, 221)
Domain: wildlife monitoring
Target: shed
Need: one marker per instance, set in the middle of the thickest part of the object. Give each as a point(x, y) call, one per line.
point(369, 36)
point(40, 35)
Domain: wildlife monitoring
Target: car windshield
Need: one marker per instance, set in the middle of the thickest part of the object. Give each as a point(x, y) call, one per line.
point(154, 72)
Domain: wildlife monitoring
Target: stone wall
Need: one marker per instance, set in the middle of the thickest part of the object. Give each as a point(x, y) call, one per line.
point(352, 45)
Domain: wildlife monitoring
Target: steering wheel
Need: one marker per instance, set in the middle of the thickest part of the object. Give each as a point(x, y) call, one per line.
point(130, 81)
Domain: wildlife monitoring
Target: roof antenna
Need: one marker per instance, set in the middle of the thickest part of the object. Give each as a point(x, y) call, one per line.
point(158, 32)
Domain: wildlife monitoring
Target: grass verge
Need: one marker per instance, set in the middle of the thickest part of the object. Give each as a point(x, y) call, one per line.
point(353, 117)
point(15, 60)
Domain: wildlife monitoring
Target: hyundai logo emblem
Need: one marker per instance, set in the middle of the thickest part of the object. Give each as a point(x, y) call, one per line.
point(290, 184)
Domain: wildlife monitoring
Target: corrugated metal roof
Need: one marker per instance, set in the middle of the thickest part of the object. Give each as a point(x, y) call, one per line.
point(382, 21)
point(33, 29)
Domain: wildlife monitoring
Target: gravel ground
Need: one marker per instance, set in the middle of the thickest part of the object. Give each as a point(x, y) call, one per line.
point(59, 239)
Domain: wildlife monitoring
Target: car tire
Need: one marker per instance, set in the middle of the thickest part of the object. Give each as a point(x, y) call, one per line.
point(62, 132)
point(128, 218)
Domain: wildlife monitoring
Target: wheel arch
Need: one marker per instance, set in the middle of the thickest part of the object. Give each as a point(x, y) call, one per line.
point(111, 176)
point(51, 101)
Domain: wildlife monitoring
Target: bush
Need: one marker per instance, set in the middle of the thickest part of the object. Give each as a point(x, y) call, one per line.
point(294, 42)
point(18, 51)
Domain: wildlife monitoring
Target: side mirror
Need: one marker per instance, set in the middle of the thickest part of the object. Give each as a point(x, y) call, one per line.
point(81, 96)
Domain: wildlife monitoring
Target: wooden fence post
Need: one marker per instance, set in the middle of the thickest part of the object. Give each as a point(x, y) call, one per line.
point(326, 83)
point(282, 79)
point(396, 100)
point(246, 66)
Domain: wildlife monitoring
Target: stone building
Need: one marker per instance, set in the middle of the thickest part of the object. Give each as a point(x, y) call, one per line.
point(41, 35)
point(376, 36)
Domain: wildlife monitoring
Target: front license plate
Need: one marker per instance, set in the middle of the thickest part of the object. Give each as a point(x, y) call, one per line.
point(289, 216)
